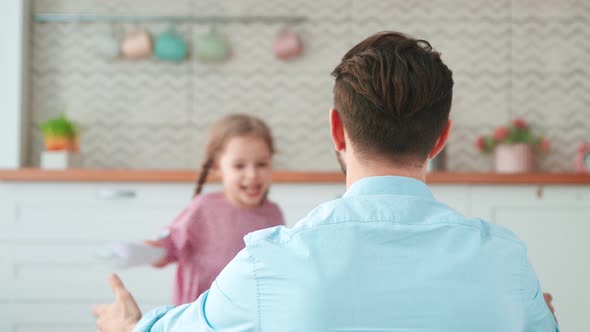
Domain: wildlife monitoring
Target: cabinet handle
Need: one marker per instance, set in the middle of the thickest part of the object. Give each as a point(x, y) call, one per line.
point(117, 194)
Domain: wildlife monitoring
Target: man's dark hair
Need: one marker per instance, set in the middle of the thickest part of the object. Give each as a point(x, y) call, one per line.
point(393, 94)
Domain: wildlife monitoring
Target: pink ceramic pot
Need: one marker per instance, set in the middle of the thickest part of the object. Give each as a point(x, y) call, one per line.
point(137, 44)
point(513, 158)
point(287, 45)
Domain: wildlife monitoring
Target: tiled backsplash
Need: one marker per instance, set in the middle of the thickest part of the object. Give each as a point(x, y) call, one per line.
point(509, 58)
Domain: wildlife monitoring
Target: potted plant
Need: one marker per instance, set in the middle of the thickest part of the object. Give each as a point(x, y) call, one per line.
point(513, 147)
point(60, 137)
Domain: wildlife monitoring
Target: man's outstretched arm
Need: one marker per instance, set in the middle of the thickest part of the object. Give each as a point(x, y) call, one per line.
point(538, 309)
point(230, 305)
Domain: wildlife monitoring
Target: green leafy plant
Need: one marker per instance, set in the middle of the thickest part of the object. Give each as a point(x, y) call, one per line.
point(60, 134)
point(517, 132)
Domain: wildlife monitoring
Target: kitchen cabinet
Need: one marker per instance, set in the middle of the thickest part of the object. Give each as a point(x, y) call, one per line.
point(50, 271)
point(554, 222)
point(50, 275)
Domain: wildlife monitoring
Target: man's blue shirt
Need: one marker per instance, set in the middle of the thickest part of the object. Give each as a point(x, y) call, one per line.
point(386, 256)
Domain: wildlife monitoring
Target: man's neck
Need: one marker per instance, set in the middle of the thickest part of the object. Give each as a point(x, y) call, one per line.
point(356, 170)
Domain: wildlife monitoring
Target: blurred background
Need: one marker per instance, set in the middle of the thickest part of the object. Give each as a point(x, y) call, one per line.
point(510, 59)
point(141, 124)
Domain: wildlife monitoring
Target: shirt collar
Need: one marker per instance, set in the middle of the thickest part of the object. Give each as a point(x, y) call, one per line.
point(389, 185)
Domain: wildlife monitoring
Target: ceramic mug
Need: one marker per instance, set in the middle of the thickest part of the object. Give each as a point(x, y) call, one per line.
point(107, 46)
point(170, 46)
point(212, 46)
point(137, 44)
point(287, 45)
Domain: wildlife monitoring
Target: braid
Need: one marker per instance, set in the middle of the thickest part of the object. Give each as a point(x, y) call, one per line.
point(203, 176)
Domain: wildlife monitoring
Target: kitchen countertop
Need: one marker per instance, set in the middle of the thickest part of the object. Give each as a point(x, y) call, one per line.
point(137, 175)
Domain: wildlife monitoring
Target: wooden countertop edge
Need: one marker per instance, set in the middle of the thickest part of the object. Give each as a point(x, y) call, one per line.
point(137, 175)
point(108, 175)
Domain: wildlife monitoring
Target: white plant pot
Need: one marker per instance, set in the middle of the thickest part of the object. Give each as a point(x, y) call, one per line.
point(513, 158)
point(60, 159)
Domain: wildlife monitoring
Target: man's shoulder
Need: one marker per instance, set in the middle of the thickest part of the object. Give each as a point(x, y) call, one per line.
point(272, 234)
point(495, 231)
point(281, 234)
point(344, 211)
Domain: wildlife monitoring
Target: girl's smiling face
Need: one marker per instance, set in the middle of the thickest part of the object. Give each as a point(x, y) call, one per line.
point(245, 166)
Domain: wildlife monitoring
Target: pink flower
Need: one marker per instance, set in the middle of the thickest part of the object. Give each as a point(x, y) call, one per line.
point(583, 147)
point(480, 143)
point(519, 123)
point(545, 145)
point(501, 133)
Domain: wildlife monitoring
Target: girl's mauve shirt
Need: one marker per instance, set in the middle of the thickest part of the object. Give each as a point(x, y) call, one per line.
point(207, 235)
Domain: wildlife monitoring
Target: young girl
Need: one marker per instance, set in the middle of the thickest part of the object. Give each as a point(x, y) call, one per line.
point(210, 231)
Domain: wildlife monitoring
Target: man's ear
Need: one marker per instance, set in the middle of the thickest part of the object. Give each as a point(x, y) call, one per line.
point(441, 141)
point(337, 130)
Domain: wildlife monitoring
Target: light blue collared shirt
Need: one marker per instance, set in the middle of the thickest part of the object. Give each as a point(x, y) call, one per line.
point(385, 257)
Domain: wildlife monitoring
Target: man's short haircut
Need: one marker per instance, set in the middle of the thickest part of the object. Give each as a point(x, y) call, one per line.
point(394, 94)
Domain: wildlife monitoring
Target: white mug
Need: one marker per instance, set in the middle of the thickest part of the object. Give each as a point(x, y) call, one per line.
point(107, 46)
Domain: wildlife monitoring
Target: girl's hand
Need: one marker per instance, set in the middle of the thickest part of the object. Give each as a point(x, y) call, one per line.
point(548, 298)
point(164, 260)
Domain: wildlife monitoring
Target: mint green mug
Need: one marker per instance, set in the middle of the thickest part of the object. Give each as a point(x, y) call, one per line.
point(170, 46)
point(212, 46)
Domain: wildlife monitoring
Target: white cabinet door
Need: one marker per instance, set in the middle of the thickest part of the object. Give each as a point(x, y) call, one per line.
point(50, 237)
point(554, 222)
point(456, 197)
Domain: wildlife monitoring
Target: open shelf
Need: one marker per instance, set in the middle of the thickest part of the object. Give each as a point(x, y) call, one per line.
point(137, 175)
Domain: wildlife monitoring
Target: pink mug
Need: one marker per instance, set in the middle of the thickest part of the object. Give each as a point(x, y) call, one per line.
point(287, 45)
point(137, 44)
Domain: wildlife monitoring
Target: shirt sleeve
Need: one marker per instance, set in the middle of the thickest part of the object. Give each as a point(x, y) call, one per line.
point(181, 234)
point(229, 306)
point(538, 317)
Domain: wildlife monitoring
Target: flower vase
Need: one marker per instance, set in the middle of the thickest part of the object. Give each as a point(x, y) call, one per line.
point(513, 158)
point(60, 159)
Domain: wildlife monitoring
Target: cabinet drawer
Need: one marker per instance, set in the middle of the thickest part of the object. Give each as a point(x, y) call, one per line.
point(50, 317)
point(87, 212)
point(68, 271)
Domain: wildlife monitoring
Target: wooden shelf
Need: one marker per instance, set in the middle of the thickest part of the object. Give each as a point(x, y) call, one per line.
point(108, 175)
point(510, 179)
point(139, 175)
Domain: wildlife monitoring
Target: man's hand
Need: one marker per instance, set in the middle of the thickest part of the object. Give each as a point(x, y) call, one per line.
point(121, 315)
point(548, 299)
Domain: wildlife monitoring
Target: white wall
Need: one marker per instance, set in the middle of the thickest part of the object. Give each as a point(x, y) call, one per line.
point(14, 36)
